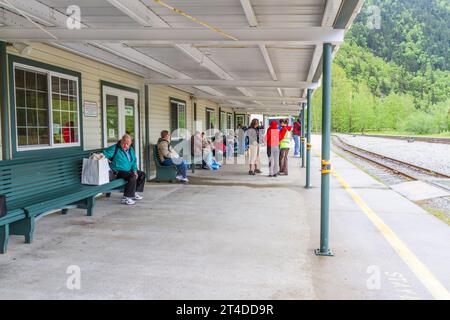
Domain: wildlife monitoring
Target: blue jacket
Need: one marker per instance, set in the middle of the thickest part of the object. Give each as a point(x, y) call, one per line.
point(121, 162)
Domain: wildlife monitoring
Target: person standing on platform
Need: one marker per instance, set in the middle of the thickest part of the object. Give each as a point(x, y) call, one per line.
point(273, 148)
point(253, 147)
point(285, 144)
point(297, 132)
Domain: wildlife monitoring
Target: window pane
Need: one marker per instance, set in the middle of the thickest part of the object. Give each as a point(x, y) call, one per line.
point(43, 136)
point(31, 99)
point(22, 136)
point(56, 102)
point(65, 99)
point(181, 116)
point(75, 135)
point(31, 118)
point(112, 118)
point(20, 98)
point(72, 88)
point(56, 118)
point(67, 134)
point(42, 118)
point(30, 80)
point(74, 118)
point(72, 104)
point(64, 102)
point(21, 117)
point(56, 133)
point(55, 85)
point(129, 117)
point(65, 119)
point(64, 86)
point(33, 136)
point(42, 82)
point(173, 116)
point(42, 100)
point(19, 78)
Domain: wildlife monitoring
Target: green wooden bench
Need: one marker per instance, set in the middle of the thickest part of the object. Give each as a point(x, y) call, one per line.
point(36, 186)
point(163, 173)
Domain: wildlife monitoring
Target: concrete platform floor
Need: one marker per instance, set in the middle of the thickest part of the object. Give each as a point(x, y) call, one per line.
point(228, 235)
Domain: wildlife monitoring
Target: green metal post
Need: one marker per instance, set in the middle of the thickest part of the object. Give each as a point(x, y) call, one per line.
point(300, 118)
point(308, 141)
point(147, 133)
point(6, 154)
point(302, 137)
point(324, 249)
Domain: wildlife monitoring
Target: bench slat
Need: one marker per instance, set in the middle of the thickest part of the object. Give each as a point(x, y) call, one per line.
point(55, 203)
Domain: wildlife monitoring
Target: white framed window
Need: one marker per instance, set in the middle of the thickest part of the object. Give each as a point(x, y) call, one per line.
point(229, 121)
point(223, 121)
point(177, 117)
point(46, 108)
point(240, 120)
point(210, 118)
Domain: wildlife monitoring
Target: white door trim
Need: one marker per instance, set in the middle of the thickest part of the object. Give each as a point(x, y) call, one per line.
point(122, 95)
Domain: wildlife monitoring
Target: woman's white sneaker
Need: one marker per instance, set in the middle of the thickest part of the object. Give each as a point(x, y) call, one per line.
point(137, 196)
point(127, 201)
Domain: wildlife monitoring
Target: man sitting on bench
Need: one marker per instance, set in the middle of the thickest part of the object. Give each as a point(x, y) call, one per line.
point(169, 157)
point(124, 165)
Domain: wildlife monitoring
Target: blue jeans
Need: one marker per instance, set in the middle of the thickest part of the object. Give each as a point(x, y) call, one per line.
point(297, 145)
point(181, 167)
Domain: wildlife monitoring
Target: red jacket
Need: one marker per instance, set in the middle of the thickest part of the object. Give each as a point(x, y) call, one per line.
point(297, 128)
point(273, 135)
point(284, 130)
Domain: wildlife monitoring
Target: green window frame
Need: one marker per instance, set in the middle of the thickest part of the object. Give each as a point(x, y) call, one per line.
point(51, 106)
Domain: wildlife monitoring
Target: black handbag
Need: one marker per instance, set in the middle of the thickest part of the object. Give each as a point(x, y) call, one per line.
point(2, 205)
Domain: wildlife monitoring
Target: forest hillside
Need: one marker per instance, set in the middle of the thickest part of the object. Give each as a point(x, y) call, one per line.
point(394, 78)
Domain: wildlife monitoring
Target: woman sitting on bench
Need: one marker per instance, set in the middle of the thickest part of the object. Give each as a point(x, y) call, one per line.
point(123, 165)
point(169, 157)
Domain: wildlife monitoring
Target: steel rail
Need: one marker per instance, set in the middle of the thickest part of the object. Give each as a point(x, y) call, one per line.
point(423, 170)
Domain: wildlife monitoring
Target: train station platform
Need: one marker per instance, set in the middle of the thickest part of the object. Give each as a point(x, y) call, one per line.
point(228, 235)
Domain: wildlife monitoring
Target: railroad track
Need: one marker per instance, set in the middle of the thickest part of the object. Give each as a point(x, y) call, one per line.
point(407, 138)
point(405, 169)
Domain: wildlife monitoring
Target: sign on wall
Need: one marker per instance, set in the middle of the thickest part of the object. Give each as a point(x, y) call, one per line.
point(90, 109)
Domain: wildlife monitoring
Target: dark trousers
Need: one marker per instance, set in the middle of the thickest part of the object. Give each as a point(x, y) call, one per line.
point(284, 156)
point(135, 184)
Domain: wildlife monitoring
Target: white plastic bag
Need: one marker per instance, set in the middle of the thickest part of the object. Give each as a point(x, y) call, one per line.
point(95, 171)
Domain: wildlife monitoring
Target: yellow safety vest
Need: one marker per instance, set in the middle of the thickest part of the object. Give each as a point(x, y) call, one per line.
point(285, 143)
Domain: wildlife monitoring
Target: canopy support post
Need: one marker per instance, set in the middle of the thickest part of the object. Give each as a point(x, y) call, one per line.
point(324, 249)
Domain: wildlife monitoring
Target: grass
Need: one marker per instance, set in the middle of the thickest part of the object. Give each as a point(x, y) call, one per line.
point(441, 215)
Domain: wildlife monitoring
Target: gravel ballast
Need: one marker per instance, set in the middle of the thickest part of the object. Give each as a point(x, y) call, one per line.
point(434, 156)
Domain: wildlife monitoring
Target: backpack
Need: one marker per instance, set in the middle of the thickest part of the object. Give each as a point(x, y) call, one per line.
point(115, 151)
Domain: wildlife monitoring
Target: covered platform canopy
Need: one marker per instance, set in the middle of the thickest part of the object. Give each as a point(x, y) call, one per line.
point(259, 56)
